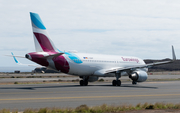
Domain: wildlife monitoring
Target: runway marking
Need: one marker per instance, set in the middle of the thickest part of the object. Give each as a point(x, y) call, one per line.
point(83, 97)
point(60, 92)
point(159, 82)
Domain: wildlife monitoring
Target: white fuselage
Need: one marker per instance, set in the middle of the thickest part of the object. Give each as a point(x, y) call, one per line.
point(93, 62)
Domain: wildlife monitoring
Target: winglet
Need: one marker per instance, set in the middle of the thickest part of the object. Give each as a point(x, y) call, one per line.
point(15, 58)
point(173, 54)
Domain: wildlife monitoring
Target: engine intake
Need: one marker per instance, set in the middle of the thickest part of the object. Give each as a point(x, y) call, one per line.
point(138, 76)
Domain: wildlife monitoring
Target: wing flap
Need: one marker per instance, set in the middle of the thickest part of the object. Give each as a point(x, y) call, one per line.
point(132, 68)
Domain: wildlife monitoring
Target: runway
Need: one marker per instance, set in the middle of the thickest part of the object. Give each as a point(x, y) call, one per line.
point(70, 78)
point(72, 95)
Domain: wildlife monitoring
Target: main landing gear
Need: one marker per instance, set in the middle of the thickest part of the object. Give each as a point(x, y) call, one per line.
point(117, 82)
point(134, 82)
point(83, 82)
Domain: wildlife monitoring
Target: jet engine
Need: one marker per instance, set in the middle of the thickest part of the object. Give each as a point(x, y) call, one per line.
point(93, 78)
point(138, 76)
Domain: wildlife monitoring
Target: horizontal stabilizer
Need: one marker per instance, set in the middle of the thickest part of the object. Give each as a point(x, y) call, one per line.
point(19, 63)
point(52, 56)
point(15, 56)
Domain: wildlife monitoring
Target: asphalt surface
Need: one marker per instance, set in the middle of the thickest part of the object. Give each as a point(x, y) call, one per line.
point(72, 95)
point(70, 78)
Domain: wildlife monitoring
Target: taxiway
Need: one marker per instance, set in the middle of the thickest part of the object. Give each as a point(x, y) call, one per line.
point(72, 95)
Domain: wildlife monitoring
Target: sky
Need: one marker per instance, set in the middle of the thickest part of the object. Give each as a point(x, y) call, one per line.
point(141, 28)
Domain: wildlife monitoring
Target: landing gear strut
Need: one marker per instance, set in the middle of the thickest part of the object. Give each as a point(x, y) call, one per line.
point(117, 82)
point(134, 82)
point(84, 82)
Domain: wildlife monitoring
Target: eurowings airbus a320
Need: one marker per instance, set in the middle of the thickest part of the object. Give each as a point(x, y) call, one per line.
point(89, 67)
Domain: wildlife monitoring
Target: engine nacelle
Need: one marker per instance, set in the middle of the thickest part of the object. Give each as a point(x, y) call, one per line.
point(138, 76)
point(93, 78)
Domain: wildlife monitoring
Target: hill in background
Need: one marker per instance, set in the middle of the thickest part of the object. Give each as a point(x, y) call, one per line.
point(175, 66)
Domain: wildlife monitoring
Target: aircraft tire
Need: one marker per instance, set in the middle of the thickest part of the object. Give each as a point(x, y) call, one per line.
point(118, 83)
point(85, 83)
point(114, 82)
point(81, 82)
point(134, 82)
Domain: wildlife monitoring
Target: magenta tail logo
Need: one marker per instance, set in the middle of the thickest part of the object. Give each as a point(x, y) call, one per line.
point(44, 42)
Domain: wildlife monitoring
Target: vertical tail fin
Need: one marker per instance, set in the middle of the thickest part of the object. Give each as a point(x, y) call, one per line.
point(41, 37)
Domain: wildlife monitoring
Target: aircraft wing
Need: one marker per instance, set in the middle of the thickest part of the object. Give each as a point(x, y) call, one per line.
point(132, 68)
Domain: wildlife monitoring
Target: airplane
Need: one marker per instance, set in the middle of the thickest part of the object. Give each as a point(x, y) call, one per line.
point(89, 67)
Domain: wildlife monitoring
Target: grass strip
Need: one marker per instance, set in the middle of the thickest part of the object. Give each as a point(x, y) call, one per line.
point(101, 109)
